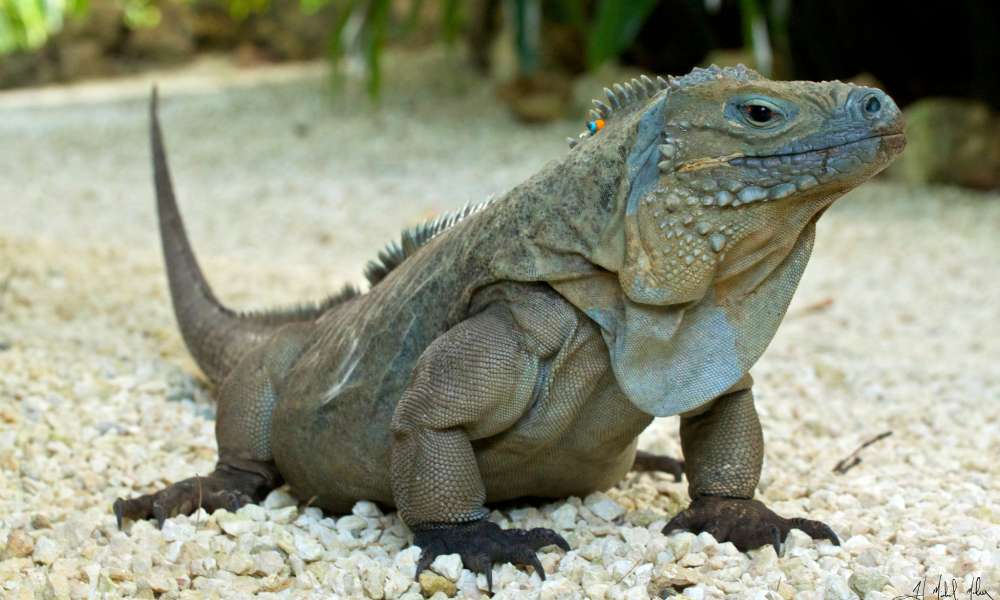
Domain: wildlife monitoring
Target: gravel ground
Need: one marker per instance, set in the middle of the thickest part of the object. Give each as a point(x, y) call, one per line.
point(287, 190)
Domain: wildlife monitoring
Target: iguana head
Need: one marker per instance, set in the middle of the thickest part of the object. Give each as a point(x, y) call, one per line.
point(725, 169)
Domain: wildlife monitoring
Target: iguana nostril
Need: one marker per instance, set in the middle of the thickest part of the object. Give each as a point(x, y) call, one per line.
point(872, 105)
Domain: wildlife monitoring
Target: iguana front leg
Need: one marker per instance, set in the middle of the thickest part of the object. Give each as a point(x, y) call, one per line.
point(472, 383)
point(724, 449)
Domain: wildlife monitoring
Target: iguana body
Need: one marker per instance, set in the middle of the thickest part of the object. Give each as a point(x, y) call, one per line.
point(519, 350)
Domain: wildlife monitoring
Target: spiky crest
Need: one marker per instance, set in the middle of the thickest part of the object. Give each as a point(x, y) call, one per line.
point(413, 238)
point(623, 98)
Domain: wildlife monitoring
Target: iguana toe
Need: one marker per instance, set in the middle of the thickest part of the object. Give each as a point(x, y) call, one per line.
point(482, 543)
point(748, 524)
point(645, 461)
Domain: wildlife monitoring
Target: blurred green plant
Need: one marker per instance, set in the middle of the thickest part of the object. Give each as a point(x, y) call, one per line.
point(361, 28)
point(614, 27)
point(26, 24)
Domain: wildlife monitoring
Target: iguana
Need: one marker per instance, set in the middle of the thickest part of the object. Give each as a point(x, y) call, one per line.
point(518, 348)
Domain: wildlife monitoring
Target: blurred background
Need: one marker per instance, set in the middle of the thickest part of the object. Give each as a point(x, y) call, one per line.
point(939, 62)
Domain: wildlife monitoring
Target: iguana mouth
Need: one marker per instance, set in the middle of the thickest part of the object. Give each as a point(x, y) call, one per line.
point(815, 151)
point(784, 174)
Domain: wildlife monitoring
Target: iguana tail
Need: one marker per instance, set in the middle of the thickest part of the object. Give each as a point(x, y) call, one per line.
point(215, 335)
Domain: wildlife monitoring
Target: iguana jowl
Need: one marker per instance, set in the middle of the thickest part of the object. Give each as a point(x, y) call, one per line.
point(519, 348)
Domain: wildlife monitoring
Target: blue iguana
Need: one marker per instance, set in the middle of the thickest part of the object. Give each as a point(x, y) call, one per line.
point(518, 348)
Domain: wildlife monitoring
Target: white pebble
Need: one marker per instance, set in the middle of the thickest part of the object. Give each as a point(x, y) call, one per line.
point(268, 562)
point(693, 559)
point(364, 508)
point(46, 551)
point(351, 524)
point(449, 565)
point(255, 512)
point(835, 588)
point(279, 498)
point(603, 506)
point(176, 531)
point(856, 543)
point(564, 517)
point(235, 524)
point(307, 547)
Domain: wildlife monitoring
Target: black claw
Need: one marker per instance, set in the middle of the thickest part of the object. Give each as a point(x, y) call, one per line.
point(482, 543)
point(537, 564)
point(160, 514)
point(119, 510)
point(776, 539)
point(746, 523)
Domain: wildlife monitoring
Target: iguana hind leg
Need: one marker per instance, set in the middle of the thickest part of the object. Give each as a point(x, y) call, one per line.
point(246, 471)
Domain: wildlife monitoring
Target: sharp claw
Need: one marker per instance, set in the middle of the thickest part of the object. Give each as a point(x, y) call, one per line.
point(160, 515)
point(489, 578)
point(119, 509)
point(679, 522)
point(537, 564)
point(776, 539)
point(815, 529)
point(423, 563)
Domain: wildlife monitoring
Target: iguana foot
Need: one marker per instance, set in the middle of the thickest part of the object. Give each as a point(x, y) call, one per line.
point(748, 524)
point(646, 461)
point(227, 487)
point(482, 543)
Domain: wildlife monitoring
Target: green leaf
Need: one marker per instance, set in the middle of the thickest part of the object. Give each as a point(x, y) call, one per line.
point(378, 17)
point(451, 20)
point(615, 26)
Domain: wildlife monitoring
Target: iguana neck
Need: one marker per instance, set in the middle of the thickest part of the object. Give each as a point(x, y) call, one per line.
point(563, 223)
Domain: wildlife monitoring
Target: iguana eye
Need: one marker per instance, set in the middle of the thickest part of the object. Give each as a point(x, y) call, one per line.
point(758, 113)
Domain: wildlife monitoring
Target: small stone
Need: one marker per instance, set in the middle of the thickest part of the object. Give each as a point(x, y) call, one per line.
point(174, 530)
point(237, 563)
point(365, 508)
point(866, 581)
point(235, 524)
point(19, 545)
point(680, 543)
point(797, 539)
point(431, 583)
point(763, 560)
point(704, 542)
point(449, 565)
point(564, 517)
point(695, 593)
point(856, 544)
point(835, 588)
point(255, 512)
point(161, 583)
point(268, 562)
point(307, 547)
point(284, 515)
point(279, 499)
point(558, 589)
point(693, 559)
point(603, 506)
point(351, 524)
point(406, 561)
point(46, 551)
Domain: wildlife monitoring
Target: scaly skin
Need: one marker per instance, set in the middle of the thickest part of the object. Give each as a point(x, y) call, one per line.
point(519, 348)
